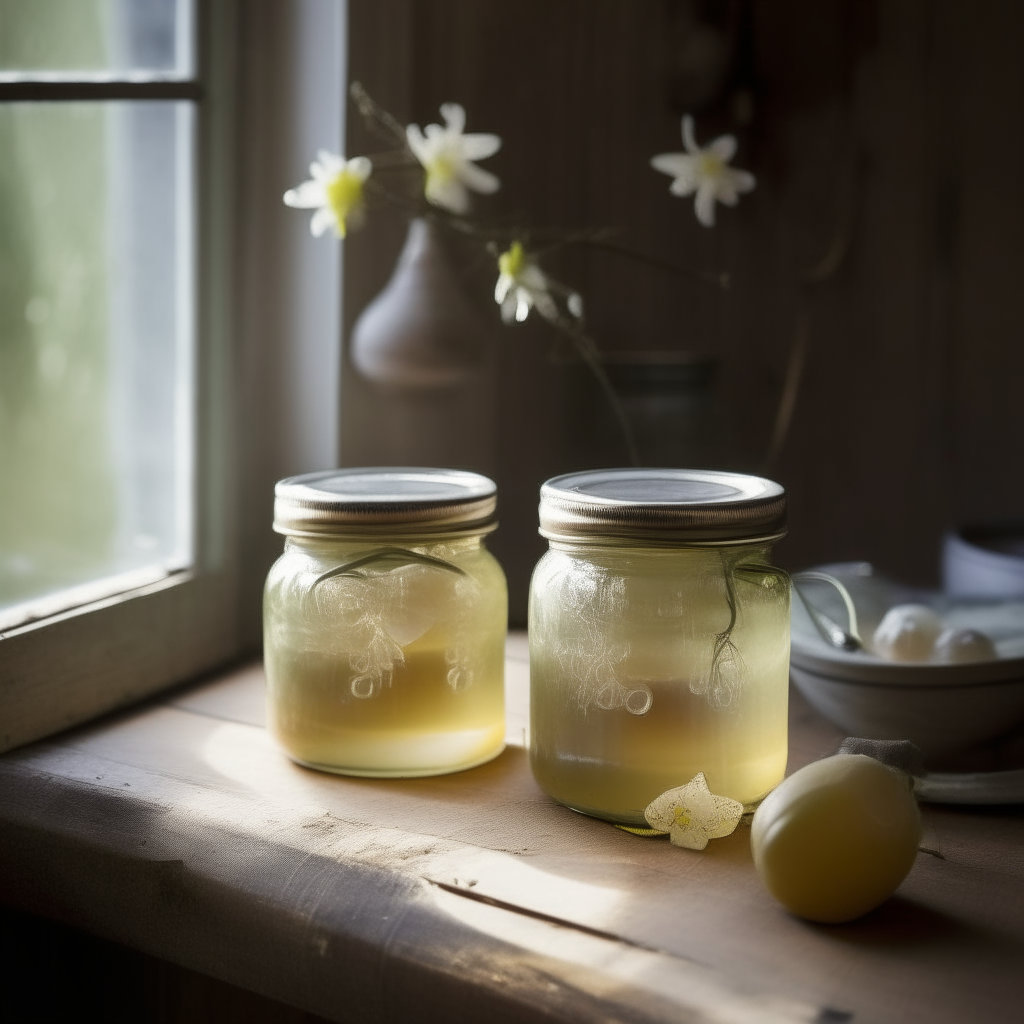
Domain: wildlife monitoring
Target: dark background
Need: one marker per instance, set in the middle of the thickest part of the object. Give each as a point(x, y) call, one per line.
point(886, 141)
point(51, 973)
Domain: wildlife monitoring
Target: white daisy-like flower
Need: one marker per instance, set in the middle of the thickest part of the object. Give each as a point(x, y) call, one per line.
point(521, 286)
point(706, 172)
point(335, 192)
point(447, 156)
point(692, 814)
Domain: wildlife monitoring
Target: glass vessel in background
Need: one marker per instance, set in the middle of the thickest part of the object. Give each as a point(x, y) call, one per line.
point(384, 622)
point(671, 401)
point(659, 638)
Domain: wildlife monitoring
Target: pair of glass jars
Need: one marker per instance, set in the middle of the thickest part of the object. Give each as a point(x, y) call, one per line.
point(659, 631)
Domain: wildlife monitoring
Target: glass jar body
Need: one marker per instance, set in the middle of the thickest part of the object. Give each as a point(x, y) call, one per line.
point(385, 657)
point(649, 665)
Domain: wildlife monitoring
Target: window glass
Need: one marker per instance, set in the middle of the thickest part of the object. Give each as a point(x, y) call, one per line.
point(60, 37)
point(95, 345)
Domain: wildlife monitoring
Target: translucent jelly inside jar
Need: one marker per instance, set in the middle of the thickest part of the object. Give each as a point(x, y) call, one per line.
point(393, 667)
point(642, 676)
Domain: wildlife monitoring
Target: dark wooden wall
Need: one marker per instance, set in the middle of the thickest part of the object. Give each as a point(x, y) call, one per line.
point(886, 132)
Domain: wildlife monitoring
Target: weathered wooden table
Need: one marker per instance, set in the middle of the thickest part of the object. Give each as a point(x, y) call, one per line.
point(180, 830)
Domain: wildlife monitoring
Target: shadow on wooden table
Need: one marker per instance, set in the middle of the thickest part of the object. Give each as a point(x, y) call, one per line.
point(901, 922)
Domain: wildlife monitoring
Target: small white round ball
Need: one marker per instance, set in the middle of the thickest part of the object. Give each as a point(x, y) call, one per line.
point(907, 633)
point(963, 645)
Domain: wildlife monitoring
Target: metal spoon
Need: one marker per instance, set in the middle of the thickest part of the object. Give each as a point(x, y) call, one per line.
point(830, 630)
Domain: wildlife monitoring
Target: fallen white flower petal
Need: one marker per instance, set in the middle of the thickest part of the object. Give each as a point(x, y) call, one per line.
point(706, 172)
point(447, 156)
point(692, 814)
point(335, 192)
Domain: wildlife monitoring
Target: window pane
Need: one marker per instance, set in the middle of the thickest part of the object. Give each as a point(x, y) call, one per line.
point(96, 36)
point(95, 343)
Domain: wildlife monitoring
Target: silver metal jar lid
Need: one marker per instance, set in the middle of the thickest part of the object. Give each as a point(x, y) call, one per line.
point(384, 499)
point(682, 506)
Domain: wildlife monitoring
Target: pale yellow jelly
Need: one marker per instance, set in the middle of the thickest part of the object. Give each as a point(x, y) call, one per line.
point(392, 668)
point(638, 683)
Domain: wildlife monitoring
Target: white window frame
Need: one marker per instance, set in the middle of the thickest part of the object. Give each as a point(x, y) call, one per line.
point(269, 92)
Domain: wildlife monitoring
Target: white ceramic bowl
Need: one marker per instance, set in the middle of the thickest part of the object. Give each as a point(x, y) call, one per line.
point(941, 708)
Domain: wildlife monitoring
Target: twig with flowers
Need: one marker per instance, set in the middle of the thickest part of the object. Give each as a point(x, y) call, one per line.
point(444, 159)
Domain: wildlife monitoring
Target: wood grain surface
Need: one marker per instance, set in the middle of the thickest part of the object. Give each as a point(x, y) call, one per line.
point(182, 831)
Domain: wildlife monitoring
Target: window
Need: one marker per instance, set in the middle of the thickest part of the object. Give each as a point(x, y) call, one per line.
point(168, 334)
point(97, 206)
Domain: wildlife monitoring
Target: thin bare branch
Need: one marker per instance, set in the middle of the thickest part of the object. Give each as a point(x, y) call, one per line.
point(790, 387)
point(379, 121)
point(719, 278)
point(824, 270)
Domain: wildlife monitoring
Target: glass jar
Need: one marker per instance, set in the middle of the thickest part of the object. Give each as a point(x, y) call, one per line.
point(384, 623)
point(659, 639)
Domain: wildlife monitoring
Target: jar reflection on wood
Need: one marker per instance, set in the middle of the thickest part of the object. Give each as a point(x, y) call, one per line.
point(384, 623)
point(659, 638)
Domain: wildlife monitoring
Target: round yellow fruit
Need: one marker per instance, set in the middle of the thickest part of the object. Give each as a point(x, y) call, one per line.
point(837, 837)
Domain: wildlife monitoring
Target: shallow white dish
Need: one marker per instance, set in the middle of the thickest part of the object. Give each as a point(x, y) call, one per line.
point(940, 707)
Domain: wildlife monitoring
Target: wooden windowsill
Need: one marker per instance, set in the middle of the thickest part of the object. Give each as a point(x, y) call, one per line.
point(180, 830)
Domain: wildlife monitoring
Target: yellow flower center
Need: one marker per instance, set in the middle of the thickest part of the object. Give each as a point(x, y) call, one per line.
point(440, 170)
point(711, 166)
point(344, 194)
point(512, 261)
point(681, 816)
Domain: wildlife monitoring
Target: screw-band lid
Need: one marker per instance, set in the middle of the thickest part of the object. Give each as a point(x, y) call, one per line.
point(683, 506)
point(385, 499)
